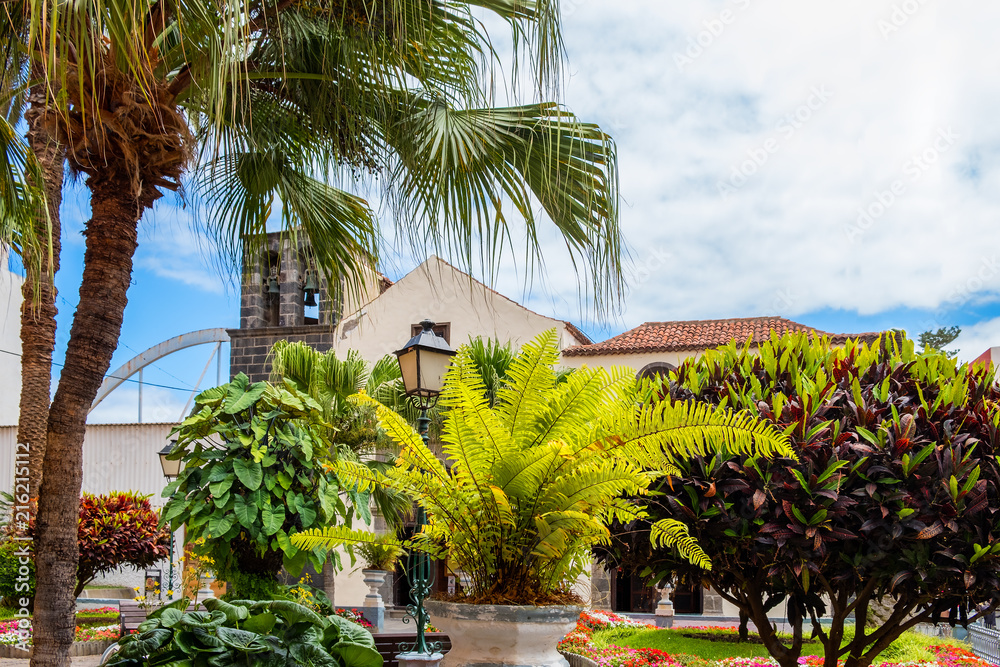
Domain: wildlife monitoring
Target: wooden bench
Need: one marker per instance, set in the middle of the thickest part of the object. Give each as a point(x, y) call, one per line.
point(132, 615)
point(387, 644)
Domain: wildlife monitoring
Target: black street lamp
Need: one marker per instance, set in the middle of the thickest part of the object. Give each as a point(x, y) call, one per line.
point(422, 362)
point(171, 470)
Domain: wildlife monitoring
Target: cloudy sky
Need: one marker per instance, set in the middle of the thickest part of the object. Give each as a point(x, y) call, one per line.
point(836, 163)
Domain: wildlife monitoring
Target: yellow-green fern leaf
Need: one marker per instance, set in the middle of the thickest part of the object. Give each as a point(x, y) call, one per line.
point(670, 533)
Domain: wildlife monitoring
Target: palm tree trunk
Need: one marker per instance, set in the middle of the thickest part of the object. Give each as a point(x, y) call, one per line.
point(111, 242)
point(38, 307)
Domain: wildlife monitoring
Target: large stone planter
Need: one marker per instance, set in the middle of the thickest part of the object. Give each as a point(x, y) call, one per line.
point(501, 635)
point(374, 609)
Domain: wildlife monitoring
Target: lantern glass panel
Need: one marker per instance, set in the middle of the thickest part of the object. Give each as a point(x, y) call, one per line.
point(408, 368)
point(433, 366)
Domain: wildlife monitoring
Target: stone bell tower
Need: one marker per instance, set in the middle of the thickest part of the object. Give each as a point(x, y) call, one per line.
point(284, 296)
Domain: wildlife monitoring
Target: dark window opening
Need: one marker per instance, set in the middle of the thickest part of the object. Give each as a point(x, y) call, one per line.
point(655, 369)
point(631, 595)
point(442, 329)
point(271, 266)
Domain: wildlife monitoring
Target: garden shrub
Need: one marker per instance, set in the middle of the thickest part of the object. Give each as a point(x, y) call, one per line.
point(894, 496)
point(256, 471)
point(116, 529)
point(10, 589)
point(268, 633)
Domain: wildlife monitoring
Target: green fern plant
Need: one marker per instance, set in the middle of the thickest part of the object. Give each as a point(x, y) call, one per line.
point(530, 484)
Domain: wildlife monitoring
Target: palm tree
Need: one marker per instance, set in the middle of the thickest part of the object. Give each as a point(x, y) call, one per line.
point(41, 224)
point(267, 100)
point(332, 382)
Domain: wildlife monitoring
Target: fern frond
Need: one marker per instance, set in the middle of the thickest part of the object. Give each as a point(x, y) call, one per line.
point(530, 378)
point(670, 533)
point(335, 536)
point(666, 432)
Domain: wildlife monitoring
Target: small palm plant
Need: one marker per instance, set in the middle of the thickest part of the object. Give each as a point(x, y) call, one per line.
point(530, 484)
point(381, 553)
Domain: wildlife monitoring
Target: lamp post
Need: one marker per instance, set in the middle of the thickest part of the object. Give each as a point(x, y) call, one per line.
point(422, 362)
point(171, 471)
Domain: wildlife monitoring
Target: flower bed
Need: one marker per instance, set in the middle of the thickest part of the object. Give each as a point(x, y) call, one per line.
point(84, 633)
point(580, 641)
point(355, 616)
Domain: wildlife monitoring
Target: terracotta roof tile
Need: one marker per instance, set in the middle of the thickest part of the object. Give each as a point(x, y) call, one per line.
point(699, 335)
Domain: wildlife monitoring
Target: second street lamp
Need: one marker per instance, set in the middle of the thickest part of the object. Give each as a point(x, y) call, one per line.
point(423, 362)
point(171, 470)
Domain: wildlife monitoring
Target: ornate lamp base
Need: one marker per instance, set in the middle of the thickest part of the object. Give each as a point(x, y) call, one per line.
point(419, 659)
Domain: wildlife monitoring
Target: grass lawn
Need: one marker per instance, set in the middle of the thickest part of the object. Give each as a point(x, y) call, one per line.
point(673, 641)
point(910, 646)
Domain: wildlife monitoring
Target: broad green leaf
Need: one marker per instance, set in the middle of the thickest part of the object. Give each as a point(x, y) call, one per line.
point(220, 524)
point(246, 512)
point(273, 518)
point(238, 401)
point(357, 655)
point(249, 472)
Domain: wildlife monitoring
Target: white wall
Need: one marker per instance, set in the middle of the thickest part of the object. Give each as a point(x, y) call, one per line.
point(634, 361)
point(438, 291)
point(10, 342)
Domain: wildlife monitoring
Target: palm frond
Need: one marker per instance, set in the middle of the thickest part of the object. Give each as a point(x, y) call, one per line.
point(456, 168)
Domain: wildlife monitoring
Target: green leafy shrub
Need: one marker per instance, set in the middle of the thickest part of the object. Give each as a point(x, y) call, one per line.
point(893, 497)
point(256, 471)
point(272, 633)
point(10, 588)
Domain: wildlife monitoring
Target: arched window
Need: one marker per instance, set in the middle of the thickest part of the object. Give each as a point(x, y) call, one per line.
point(657, 368)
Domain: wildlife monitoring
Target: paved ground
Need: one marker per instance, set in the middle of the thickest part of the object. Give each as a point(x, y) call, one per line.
point(79, 661)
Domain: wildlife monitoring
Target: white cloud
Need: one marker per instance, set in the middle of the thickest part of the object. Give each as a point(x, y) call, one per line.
point(172, 247)
point(780, 241)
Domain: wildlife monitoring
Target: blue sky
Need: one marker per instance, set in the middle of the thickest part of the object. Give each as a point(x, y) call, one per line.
point(834, 163)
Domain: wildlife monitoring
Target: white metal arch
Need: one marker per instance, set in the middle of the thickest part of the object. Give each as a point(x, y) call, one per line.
point(155, 353)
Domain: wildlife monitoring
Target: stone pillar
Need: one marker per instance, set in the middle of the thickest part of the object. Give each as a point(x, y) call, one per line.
point(330, 582)
point(600, 587)
point(665, 608)
point(290, 310)
point(711, 603)
point(252, 297)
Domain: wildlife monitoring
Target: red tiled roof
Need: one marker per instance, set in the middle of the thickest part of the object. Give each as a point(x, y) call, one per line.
point(699, 335)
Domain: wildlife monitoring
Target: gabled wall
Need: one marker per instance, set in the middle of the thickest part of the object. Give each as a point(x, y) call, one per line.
point(440, 292)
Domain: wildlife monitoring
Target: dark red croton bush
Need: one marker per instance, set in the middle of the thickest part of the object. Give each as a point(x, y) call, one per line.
point(120, 528)
point(894, 498)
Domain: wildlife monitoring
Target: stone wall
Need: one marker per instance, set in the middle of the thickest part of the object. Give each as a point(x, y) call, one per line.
point(250, 347)
point(600, 587)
